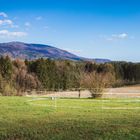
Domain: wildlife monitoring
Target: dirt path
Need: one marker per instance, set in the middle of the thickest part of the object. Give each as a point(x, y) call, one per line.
point(128, 92)
point(123, 92)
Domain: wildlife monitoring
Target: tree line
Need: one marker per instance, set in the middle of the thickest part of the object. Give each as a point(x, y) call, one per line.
point(18, 76)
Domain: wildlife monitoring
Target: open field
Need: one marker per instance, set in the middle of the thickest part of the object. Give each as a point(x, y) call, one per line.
point(40, 118)
point(121, 92)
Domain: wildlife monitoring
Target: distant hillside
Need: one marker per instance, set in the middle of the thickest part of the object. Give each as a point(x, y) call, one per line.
point(34, 51)
point(97, 60)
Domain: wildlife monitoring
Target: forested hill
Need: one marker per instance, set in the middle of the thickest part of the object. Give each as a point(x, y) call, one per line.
point(35, 51)
point(18, 76)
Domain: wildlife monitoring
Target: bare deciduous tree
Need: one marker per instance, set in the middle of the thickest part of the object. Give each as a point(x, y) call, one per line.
point(96, 82)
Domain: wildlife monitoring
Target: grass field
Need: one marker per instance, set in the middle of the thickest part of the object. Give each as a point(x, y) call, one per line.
point(27, 118)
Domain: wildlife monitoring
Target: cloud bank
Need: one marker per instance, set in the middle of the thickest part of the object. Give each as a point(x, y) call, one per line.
point(3, 14)
point(118, 37)
point(6, 33)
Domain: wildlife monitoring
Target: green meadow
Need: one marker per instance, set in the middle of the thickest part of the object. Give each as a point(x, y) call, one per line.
point(34, 118)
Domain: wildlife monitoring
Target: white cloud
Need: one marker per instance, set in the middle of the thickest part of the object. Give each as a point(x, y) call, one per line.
point(117, 37)
point(3, 14)
point(120, 36)
point(27, 24)
point(38, 18)
point(6, 33)
point(6, 22)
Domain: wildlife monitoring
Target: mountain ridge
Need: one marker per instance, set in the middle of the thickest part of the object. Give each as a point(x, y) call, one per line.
point(34, 51)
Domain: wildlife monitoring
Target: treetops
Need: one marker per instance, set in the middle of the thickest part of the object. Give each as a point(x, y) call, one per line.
point(56, 75)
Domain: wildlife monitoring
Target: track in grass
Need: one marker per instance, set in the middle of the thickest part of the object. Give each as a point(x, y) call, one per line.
point(87, 104)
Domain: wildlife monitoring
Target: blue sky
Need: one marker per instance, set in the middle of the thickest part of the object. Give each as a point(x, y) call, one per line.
point(89, 28)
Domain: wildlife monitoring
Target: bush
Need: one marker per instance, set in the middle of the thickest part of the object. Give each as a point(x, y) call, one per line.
point(6, 88)
point(96, 82)
point(96, 93)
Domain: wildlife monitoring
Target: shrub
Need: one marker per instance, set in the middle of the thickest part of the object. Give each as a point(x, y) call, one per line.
point(96, 82)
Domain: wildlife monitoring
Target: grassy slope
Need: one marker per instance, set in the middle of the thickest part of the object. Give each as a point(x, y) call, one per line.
point(24, 120)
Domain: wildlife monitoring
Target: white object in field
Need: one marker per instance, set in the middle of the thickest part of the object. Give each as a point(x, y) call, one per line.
point(52, 98)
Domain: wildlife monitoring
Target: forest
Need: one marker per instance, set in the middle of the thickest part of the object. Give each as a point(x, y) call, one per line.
point(18, 76)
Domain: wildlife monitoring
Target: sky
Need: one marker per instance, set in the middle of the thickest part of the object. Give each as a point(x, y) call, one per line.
point(90, 28)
